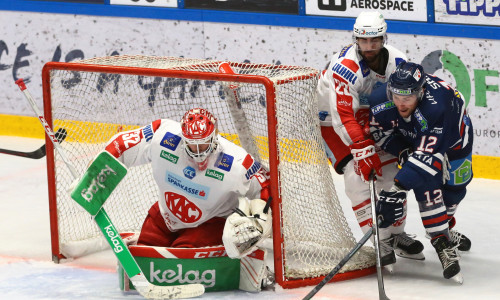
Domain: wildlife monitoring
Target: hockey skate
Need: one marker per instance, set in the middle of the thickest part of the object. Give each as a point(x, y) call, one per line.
point(387, 256)
point(267, 283)
point(449, 257)
point(406, 246)
point(459, 240)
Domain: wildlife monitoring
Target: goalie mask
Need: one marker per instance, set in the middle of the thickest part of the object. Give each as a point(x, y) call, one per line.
point(199, 135)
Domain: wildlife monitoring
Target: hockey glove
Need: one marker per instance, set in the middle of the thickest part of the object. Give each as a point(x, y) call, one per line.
point(246, 228)
point(390, 207)
point(365, 159)
point(403, 156)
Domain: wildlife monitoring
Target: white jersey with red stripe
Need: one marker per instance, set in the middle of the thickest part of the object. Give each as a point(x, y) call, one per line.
point(187, 196)
point(343, 91)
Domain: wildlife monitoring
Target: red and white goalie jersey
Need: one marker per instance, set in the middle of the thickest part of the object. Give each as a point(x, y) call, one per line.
point(343, 91)
point(189, 197)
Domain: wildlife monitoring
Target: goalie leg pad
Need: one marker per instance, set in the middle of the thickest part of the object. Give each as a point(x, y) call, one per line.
point(253, 271)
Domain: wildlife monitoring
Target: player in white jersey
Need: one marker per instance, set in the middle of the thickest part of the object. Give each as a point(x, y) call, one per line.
point(343, 91)
point(202, 180)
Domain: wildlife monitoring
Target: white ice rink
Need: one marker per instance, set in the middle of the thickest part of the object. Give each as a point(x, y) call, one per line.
point(27, 272)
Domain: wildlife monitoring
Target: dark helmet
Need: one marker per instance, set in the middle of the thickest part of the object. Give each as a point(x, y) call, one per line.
point(407, 79)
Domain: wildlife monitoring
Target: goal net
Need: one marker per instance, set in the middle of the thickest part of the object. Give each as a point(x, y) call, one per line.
point(270, 110)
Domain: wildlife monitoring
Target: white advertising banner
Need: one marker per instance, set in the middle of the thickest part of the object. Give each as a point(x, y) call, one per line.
point(407, 10)
point(479, 12)
point(159, 3)
point(32, 39)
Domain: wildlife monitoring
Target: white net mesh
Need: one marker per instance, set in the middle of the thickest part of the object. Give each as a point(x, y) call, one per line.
point(93, 106)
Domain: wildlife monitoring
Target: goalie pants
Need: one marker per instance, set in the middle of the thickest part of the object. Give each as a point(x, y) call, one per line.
point(154, 232)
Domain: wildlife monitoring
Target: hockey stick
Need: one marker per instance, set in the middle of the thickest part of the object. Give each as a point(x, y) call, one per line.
point(38, 153)
point(238, 114)
point(337, 268)
point(376, 242)
point(122, 253)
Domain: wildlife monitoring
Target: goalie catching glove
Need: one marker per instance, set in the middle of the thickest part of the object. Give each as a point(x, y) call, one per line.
point(365, 159)
point(246, 228)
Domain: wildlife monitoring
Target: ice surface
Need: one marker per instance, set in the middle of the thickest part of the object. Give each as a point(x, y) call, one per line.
point(27, 272)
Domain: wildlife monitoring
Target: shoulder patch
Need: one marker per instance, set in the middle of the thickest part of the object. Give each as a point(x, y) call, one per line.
point(344, 50)
point(345, 73)
point(247, 162)
point(147, 132)
point(421, 120)
point(156, 124)
point(170, 141)
point(224, 162)
point(253, 169)
point(351, 64)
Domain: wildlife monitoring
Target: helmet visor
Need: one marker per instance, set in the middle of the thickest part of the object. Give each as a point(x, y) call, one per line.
point(370, 44)
point(391, 90)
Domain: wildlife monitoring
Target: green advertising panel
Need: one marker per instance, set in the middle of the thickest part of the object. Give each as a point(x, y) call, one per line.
point(216, 273)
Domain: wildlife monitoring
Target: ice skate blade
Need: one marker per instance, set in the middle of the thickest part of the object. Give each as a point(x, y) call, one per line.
point(389, 268)
point(458, 278)
point(404, 254)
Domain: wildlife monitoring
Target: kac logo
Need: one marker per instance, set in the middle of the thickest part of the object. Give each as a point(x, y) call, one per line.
point(189, 172)
point(185, 210)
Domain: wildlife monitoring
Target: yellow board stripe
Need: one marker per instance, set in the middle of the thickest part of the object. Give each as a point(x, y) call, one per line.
point(11, 125)
point(486, 166)
point(21, 126)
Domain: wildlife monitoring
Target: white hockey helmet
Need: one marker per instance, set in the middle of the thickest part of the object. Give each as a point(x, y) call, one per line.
point(369, 24)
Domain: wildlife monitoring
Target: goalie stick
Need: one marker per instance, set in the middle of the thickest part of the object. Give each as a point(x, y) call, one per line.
point(142, 285)
point(237, 113)
point(38, 153)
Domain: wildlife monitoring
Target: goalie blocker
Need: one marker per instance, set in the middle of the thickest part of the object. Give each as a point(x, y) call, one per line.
point(209, 266)
point(98, 182)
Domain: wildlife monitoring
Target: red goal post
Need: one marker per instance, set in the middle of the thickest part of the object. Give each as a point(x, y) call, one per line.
point(273, 116)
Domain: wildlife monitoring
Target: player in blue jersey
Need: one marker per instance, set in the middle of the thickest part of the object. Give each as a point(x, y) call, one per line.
point(424, 121)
